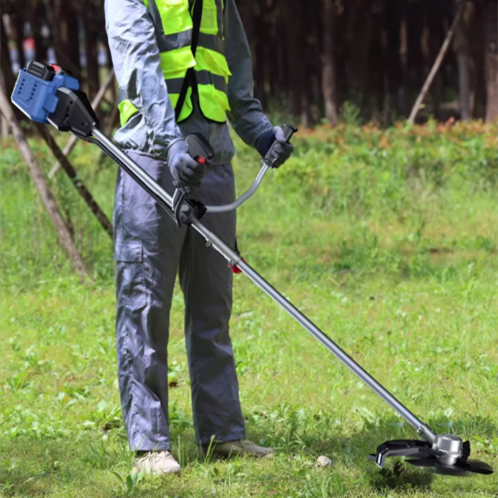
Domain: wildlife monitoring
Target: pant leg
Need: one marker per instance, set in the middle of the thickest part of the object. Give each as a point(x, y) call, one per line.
point(147, 251)
point(206, 281)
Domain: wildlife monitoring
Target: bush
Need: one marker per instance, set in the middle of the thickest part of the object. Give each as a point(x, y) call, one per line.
point(364, 169)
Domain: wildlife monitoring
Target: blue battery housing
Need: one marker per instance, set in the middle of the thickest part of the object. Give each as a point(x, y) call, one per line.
point(36, 97)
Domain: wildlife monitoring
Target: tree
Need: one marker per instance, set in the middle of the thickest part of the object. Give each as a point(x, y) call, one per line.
point(491, 59)
point(329, 83)
point(462, 49)
point(38, 20)
point(91, 38)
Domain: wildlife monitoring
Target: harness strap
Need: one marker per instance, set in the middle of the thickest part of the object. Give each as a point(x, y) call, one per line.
point(190, 76)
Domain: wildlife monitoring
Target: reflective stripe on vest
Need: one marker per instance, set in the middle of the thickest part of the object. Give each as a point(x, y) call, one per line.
point(173, 28)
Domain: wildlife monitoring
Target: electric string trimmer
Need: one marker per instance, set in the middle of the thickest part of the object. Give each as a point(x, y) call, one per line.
point(48, 95)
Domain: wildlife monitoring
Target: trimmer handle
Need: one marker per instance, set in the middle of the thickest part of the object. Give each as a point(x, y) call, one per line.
point(185, 188)
point(289, 130)
point(200, 150)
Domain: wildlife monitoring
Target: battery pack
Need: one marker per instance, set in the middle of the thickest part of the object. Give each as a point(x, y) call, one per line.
point(36, 86)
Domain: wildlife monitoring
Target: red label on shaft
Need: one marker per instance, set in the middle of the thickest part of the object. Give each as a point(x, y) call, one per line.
point(201, 160)
point(236, 269)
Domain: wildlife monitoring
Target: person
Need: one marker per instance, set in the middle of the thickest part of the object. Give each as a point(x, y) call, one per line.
point(182, 67)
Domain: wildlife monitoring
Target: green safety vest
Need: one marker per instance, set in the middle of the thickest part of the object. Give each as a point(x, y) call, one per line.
point(174, 28)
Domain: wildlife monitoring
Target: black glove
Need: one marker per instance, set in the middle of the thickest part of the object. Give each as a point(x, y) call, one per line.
point(186, 171)
point(281, 150)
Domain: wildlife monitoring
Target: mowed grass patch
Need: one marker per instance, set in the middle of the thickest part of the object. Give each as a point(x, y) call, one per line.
point(407, 285)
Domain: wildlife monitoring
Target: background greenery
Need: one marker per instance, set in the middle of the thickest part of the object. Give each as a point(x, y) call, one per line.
point(387, 239)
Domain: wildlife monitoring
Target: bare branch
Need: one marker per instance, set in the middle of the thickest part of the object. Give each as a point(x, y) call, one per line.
point(60, 225)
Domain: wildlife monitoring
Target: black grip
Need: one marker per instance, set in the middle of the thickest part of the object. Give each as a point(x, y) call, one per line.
point(198, 146)
point(289, 130)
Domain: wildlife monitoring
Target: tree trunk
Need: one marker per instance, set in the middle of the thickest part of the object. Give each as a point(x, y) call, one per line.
point(6, 63)
point(261, 53)
point(109, 60)
point(328, 63)
point(61, 228)
point(92, 63)
point(375, 62)
point(477, 53)
point(491, 59)
point(404, 89)
point(113, 120)
point(307, 54)
point(66, 44)
point(436, 33)
point(414, 55)
point(281, 87)
point(294, 43)
point(464, 85)
point(18, 25)
point(360, 24)
point(7, 78)
point(73, 39)
point(462, 49)
point(76, 181)
point(38, 18)
point(394, 82)
point(4, 124)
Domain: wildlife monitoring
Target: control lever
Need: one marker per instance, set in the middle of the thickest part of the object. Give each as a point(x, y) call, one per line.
point(201, 151)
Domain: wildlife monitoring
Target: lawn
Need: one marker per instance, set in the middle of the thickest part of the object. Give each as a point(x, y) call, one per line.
point(387, 240)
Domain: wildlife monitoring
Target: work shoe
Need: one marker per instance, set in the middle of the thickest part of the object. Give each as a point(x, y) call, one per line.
point(157, 463)
point(239, 447)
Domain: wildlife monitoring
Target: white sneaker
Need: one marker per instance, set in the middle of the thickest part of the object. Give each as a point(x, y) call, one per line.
point(158, 463)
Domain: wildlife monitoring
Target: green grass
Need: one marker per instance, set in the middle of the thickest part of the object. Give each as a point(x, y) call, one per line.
point(387, 240)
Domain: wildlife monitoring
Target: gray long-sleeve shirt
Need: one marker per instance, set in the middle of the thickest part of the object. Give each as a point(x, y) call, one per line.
point(136, 60)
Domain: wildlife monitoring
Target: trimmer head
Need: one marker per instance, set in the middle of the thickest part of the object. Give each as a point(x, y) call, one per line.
point(447, 455)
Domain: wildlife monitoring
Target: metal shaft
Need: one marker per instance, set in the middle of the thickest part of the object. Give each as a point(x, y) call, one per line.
point(341, 355)
point(137, 173)
point(166, 201)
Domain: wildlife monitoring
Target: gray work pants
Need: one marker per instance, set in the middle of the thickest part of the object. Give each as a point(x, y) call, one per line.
point(150, 250)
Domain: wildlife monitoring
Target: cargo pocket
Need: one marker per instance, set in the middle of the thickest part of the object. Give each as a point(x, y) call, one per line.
point(130, 281)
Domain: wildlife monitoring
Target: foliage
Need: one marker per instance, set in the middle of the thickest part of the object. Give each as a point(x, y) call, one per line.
point(364, 169)
point(386, 238)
